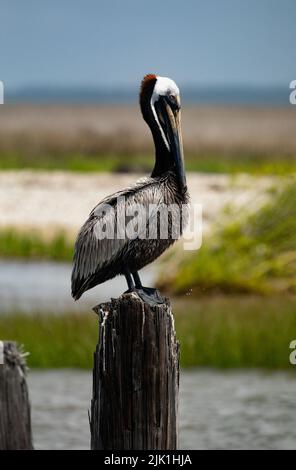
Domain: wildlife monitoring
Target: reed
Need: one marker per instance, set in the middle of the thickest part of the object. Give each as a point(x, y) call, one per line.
point(241, 331)
point(133, 160)
point(16, 243)
point(251, 254)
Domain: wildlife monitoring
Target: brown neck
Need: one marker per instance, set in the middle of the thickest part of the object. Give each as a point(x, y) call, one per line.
point(163, 160)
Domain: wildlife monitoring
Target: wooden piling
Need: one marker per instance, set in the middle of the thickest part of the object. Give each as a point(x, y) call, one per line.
point(135, 377)
point(15, 421)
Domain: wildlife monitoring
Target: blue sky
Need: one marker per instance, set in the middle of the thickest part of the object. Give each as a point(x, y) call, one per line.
point(114, 43)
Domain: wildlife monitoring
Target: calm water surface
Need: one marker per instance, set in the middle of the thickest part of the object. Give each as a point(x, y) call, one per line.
point(218, 410)
point(46, 286)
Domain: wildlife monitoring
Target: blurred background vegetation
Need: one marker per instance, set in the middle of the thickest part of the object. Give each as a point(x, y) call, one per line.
point(71, 132)
point(234, 298)
point(219, 331)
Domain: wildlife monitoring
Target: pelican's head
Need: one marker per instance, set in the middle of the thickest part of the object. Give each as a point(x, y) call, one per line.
point(160, 105)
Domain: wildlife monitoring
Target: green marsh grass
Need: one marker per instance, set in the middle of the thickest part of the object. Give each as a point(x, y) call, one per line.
point(252, 254)
point(53, 340)
point(33, 245)
point(223, 332)
point(205, 162)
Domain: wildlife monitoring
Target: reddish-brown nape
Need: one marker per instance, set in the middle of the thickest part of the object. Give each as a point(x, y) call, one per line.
point(146, 90)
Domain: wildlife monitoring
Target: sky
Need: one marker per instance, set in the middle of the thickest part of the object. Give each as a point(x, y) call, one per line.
point(113, 43)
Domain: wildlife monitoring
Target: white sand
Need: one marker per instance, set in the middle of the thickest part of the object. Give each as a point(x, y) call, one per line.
point(53, 200)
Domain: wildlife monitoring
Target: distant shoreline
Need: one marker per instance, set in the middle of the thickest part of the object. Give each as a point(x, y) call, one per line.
point(32, 131)
point(213, 95)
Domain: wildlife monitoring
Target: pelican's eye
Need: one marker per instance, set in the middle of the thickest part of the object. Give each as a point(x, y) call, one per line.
point(172, 99)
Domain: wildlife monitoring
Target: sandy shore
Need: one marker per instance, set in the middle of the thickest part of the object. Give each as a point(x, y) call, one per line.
point(50, 201)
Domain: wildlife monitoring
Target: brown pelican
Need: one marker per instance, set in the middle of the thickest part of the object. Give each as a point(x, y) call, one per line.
point(98, 259)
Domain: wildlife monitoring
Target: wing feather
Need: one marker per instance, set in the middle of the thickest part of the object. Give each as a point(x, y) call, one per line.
point(91, 253)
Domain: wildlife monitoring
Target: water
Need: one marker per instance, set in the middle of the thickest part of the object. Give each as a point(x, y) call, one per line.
point(43, 286)
point(238, 95)
point(218, 410)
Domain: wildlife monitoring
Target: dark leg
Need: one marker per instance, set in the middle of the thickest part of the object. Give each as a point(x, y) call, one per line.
point(137, 280)
point(129, 280)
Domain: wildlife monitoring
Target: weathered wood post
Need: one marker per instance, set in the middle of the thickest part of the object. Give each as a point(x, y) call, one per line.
point(15, 420)
point(135, 377)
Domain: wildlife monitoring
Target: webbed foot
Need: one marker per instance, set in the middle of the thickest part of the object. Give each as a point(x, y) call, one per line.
point(149, 295)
